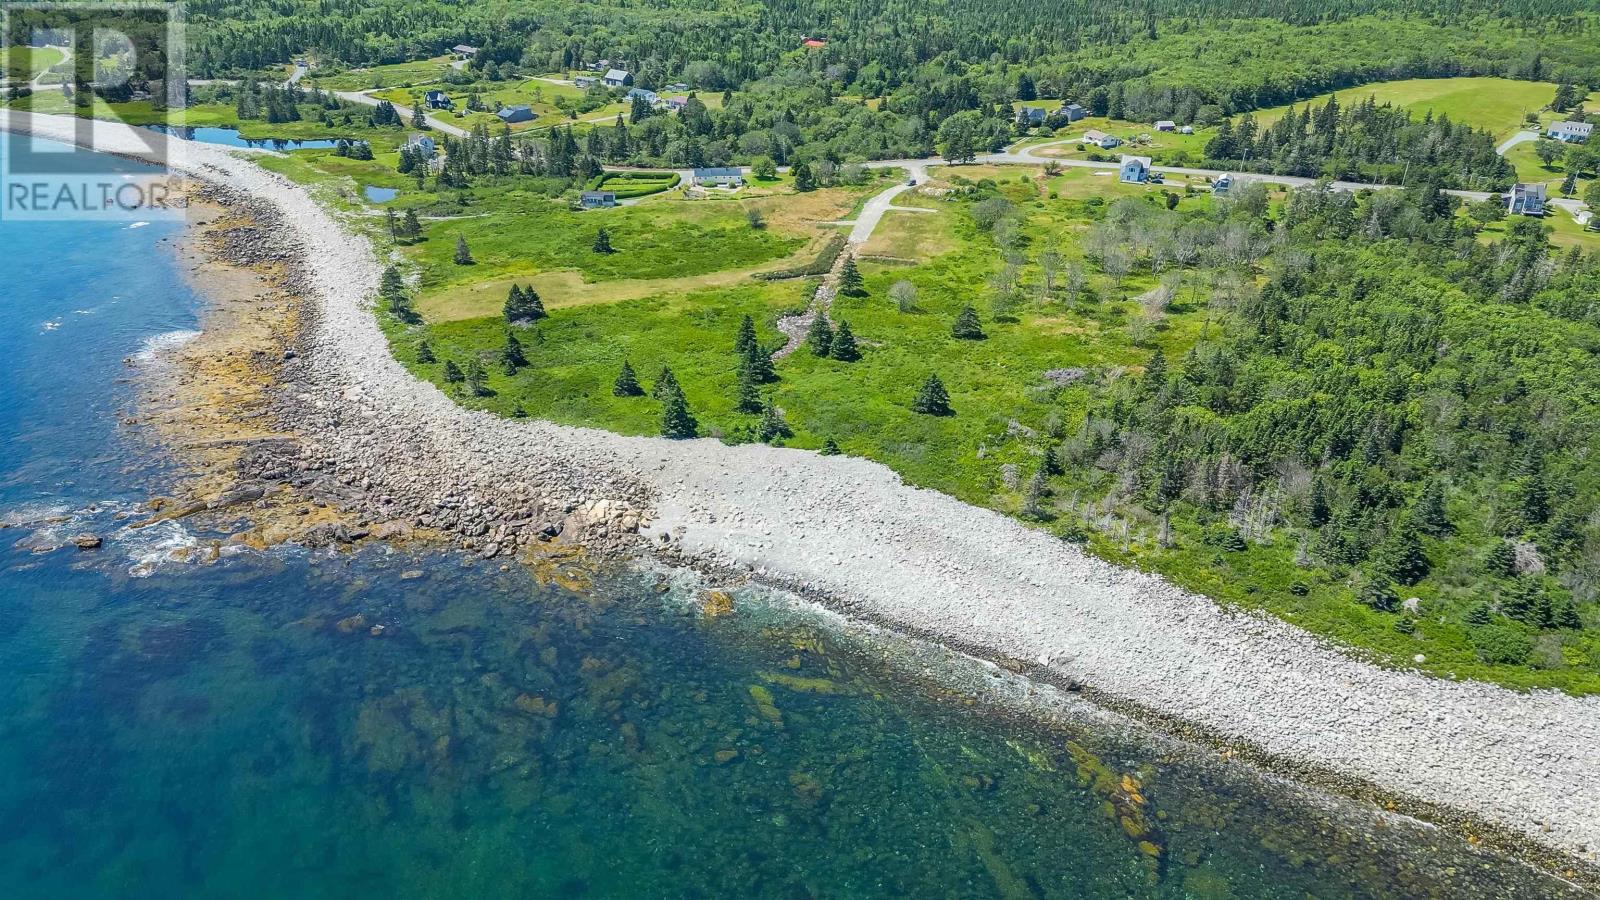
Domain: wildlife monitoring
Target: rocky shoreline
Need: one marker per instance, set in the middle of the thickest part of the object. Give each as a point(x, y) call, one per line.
point(397, 454)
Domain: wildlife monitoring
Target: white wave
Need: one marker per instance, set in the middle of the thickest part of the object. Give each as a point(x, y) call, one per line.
point(149, 547)
point(137, 224)
point(165, 342)
point(52, 325)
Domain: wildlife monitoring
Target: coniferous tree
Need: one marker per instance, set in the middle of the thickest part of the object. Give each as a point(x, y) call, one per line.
point(1430, 513)
point(1155, 372)
point(931, 399)
point(627, 384)
point(512, 356)
point(819, 337)
point(844, 347)
point(463, 256)
point(523, 306)
point(1318, 509)
point(1501, 561)
point(1401, 557)
point(829, 448)
point(1050, 464)
point(804, 180)
point(425, 353)
point(452, 372)
point(747, 398)
point(1379, 593)
point(411, 226)
point(966, 326)
point(666, 385)
point(774, 427)
point(850, 283)
point(602, 242)
point(1033, 501)
point(676, 420)
point(746, 339)
point(476, 378)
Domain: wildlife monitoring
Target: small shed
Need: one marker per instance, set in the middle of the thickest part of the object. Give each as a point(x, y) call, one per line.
point(514, 114)
point(1166, 125)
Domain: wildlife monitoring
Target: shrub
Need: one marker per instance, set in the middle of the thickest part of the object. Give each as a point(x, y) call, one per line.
point(822, 265)
point(1501, 644)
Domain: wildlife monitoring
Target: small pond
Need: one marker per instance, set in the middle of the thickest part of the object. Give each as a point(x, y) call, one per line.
point(229, 137)
point(380, 194)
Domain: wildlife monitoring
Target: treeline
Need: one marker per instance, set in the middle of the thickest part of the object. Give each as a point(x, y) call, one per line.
point(1398, 400)
point(1365, 142)
point(1164, 59)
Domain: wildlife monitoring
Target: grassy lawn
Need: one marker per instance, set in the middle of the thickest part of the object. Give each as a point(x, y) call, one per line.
point(405, 73)
point(1139, 138)
point(25, 63)
point(1496, 105)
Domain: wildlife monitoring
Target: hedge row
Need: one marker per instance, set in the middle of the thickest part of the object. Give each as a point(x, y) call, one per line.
point(818, 266)
point(647, 183)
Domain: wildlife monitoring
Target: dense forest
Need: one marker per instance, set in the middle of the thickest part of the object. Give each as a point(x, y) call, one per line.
point(1397, 401)
point(1365, 142)
point(1184, 59)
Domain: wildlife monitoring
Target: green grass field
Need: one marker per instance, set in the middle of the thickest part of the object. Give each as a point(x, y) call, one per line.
point(1497, 105)
point(26, 63)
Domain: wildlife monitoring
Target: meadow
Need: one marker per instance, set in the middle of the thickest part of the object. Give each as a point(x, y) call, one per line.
point(1497, 105)
point(26, 63)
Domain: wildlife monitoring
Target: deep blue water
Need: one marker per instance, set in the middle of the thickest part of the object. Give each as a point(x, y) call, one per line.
point(234, 729)
point(229, 137)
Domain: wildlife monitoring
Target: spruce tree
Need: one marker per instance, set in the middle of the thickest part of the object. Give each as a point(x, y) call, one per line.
point(627, 384)
point(1033, 502)
point(966, 326)
point(829, 448)
point(1155, 372)
point(425, 353)
point(452, 372)
point(411, 226)
point(931, 399)
point(1050, 465)
point(1479, 614)
point(676, 420)
point(1430, 513)
point(517, 412)
point(746, 339)
point(850, 283)
point(666, 385)
point(820, 336)
point(759, 362)
point(803, 179)
point(602, 241)
point(523, 306)
point(748, 396)
point(774, 427)
point(1501, 560)
point(463, 255)
point(1379, 594)
point(1400, 557)
point(844, 347)
point(477, 379)
point(1318, 509)
point(512, 356)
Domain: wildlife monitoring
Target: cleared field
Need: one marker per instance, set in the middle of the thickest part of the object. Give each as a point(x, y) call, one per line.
point(1497, 105)
point(25, 63)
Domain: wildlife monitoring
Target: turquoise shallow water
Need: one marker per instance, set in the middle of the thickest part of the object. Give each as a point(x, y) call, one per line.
point(235, 730)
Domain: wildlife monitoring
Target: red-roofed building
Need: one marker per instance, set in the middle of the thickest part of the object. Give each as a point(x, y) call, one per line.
point(813, 43)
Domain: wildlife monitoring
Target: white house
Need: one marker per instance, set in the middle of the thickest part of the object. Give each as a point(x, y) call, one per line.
point(1571, 132)
point(420, 142)
point(1186, 129)
point(1526, 199)
point(1166, 125)
point(650, 97)
point(598, 199)
point(1222, 185)
point(616, 78)
point(1135, 170)
point(1101, 139)
point(727, 176)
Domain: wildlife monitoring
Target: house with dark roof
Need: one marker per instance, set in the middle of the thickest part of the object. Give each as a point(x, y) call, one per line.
point(598, 199)
point(1526, 199)
point(1031, 115)
point(1222, 185)
point(1571, 132)
point(438, 100)
point(514, 114)
point(1134, 170)
point(616, 78)
point(725, 176)
point(464, 51)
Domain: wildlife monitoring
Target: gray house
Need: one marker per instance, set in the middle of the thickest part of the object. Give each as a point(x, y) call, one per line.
point(598, 199)
point(727, 176)
point(1571, 132)
point(420, 142)
point(464, 51)
point(650, 97)
point(513, 114)
point(1526, 199)
point(1134, 170)
point(1166, 125)
point(584, 82)
point(1031, 115)
point(1073, 111)
point(616, 78)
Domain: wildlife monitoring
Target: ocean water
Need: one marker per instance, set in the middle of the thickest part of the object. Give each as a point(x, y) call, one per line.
point(418, 724)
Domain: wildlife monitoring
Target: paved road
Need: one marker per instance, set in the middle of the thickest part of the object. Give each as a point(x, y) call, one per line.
point(872, 212)
point(295, 76)
point(369, 100)
point(1521, 137)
